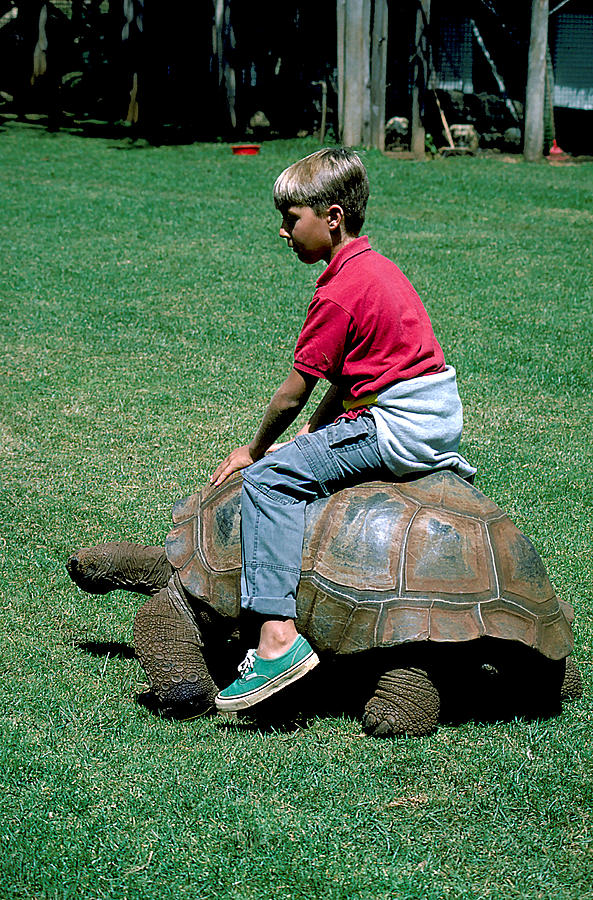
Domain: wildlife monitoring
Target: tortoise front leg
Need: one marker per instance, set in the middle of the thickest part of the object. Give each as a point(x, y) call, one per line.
point(120, 565)
point(405, 702)
point(168, 645)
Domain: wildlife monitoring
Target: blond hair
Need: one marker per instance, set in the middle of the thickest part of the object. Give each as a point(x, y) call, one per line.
point(322, 179)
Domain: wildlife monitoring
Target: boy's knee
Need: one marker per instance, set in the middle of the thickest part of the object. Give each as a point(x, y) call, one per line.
point(257, 470)
point(284, 476)
point(259, 477)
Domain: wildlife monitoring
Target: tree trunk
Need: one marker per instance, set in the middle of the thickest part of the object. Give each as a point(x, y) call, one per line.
point(536, 82)
point(341, 30)
point(420, 79)
point(223, 44)
point(354, 39)
point(378, 74)
point(361, 71)
point(365, 73)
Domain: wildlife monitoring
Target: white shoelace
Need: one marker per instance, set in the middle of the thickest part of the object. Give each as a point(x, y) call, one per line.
point(248, 663)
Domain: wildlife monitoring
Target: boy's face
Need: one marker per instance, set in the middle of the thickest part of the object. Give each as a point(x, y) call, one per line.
point(309, 235)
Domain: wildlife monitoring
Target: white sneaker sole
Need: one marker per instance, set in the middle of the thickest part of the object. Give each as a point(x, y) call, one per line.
point(271, 687)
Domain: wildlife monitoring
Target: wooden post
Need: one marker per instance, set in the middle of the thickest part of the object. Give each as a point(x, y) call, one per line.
point(362, 63)
point(354, 37)
point(378, 74)
point(536, 82)
point(39, 53)
point(420, 79)
point(223, 40)
point(341, 30)
point(365, 72)
point(323, 125)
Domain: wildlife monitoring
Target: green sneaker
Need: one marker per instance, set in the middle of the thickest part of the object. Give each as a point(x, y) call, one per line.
point(260, 678)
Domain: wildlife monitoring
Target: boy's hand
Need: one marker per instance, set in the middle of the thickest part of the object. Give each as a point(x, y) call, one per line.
point(239, 458)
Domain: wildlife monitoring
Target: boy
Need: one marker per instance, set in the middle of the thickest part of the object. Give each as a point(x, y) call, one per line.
point(392, 407)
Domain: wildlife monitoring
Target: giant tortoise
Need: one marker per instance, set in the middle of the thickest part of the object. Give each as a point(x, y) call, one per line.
point(411, 586)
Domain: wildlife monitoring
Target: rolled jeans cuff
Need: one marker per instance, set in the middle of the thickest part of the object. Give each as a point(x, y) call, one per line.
point(284, 607)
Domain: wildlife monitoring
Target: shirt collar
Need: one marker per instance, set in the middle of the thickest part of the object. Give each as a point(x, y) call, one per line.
point(352, 248)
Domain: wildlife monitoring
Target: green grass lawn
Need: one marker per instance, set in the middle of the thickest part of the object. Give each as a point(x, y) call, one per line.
point(147, 311)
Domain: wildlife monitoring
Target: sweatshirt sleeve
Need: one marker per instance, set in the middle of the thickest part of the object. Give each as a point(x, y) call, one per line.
point(321, 345)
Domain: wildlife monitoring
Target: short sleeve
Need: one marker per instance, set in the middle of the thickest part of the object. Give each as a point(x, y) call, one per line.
point(321, 345)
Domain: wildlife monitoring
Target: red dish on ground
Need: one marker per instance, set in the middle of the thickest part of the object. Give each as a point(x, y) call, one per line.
point(245, 149)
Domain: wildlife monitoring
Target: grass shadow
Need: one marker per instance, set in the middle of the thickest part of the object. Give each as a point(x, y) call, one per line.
point(181, 712)
point(108, 648)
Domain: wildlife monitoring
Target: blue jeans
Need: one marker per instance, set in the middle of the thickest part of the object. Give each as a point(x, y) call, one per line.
point(276, 490)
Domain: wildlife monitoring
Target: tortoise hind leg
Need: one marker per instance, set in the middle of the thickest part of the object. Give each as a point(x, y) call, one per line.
point(572, 684)
point(405, 702)
point(120, 565)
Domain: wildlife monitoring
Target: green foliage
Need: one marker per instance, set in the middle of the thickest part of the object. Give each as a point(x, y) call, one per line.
point(147, 311)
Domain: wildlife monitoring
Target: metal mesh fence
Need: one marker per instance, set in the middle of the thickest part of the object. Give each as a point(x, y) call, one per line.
point(572, 42)
point(453, 55)
point(64, 6)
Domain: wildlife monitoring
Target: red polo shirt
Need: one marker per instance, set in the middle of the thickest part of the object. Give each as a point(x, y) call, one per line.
point(366, 326)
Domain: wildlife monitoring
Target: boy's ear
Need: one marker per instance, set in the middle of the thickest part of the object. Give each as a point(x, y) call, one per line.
point(335, 217)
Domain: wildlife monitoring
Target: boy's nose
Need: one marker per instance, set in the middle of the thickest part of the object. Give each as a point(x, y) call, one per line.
point(283, 232)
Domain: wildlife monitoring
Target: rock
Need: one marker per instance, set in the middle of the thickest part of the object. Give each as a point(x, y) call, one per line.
point(465, 136)
point(259, 120)
point(512, 136)
point(396, 131)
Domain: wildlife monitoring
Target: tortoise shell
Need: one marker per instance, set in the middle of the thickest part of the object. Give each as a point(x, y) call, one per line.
point(431, 559)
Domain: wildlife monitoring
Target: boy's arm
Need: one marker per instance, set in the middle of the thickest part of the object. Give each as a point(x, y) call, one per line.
point(327, 411)
point(283, 409)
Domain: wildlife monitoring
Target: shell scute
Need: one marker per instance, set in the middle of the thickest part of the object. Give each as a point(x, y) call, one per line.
point(181, 543)
point(508, 621)
point(194, 578)
point(521, 572)
point(447, 554)
point(185, 508)
point(361, 630)
point(360, 548)
point(403, 621)
point(317, 522)
point(444, 489)
point(224, 594)
point(328, 621)
point(461, 622)
point(220, 534)
point(555, 634)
